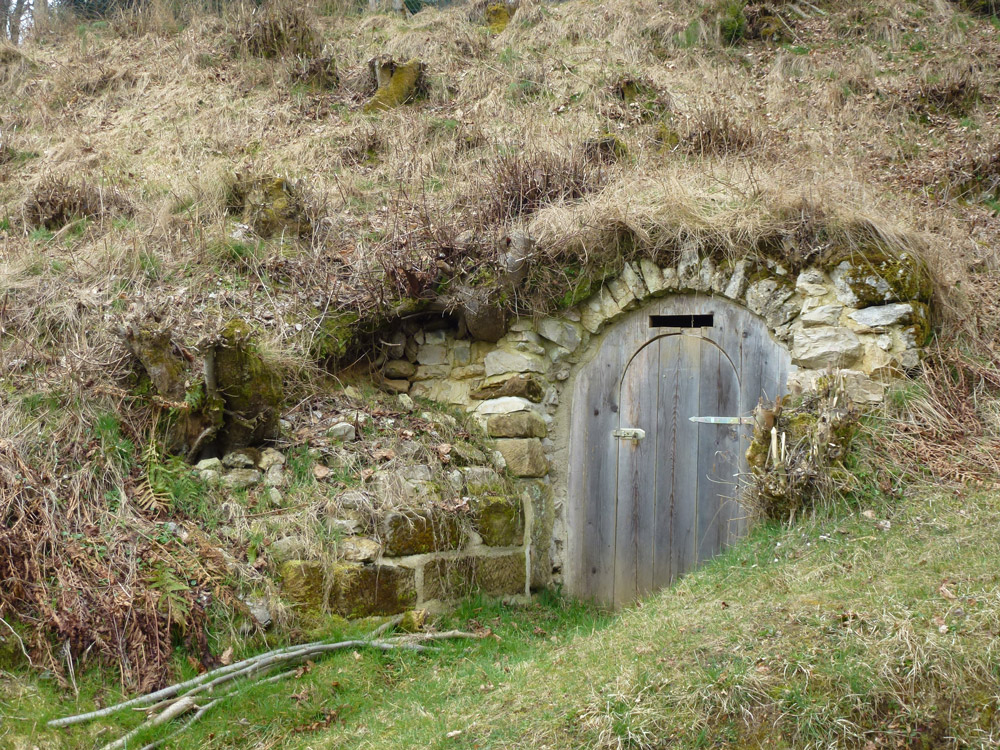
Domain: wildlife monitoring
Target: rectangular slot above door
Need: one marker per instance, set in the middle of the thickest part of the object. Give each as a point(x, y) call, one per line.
point(703, 320)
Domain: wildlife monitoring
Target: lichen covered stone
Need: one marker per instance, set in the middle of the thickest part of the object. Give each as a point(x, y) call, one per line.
point(367, 590)
point(416, 532)
point(494, 576)
point(499, 520)
point(399, 83)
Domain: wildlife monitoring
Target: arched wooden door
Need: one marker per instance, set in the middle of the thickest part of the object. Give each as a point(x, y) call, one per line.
point(676, 500)
point(640, 512)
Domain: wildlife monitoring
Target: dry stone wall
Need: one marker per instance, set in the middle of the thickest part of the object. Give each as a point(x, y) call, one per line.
point(865, 321)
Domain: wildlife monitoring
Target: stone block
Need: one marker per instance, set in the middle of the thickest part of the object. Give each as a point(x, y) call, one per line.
point(468, 371)
point(461, 353)
point(368, 590)
point(524, 456)
point(880, 317)
point(480, 480)
point(767, 298)
point(499, 362)
point(652, 276)
point(270, 457)
point(342, 431)
point(689, 267)
point(538, 493)
point(303, 583)
point(561, 332)
point(737, 284)
point(622, 294)
point(529, 387)
point(359, 549)
point(503, 405)
point(209, 464)
point(241, 479)
point(632, 277)
point(434, 337)
point(397, 386)
point(431, 372)
point(706, 273)
point(432, 354)
point(289, 548)
point(416, 532)
point(821, 315)
point(519, 424)
point(825, 346)
point(812, 283)
point(399, 369)
point(499, 520)
point(494, 576)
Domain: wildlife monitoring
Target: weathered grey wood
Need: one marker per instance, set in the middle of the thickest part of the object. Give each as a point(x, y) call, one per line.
point(592, 474)
point(636, 492)
point(684, 492)
point(641, 515)
point(666, 418)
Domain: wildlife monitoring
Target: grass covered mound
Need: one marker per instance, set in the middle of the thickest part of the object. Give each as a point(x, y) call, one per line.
point(243, 174)
point(852, 629)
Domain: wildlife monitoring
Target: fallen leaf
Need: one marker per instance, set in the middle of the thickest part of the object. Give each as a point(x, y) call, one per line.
point(453, 733)
point(943, 590)
point(227, 657)
point(869, 514)
point(320, 471)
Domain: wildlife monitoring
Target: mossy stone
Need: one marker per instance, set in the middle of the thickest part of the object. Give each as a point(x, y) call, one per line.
point(497, 16)
point(272, 206)
point(499, 519)
point(250, 387)
point(518, 424)
point(494, 576)
point(367, 590)
point(528, 386)
point(303, 583)
point(401, 86)
point(876, 277)
point(334, 336)
point(419, 532)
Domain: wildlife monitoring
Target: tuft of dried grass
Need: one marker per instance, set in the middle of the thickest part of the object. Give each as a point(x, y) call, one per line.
point(276, 29)
point(56, 201)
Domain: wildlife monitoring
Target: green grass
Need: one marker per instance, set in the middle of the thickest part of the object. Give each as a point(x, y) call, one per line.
point(831, 633)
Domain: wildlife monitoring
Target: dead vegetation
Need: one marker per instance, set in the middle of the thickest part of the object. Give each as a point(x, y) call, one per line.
point(57, 201)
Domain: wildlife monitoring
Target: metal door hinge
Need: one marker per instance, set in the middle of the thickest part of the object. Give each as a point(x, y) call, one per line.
point(723, 420)
point(629, 433)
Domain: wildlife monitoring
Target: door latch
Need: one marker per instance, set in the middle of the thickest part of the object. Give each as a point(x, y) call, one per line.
point(629, 433)
point(722, 420)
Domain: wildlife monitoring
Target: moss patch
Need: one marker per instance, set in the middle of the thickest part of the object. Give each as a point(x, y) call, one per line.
point(367, 590)
point(499, 520)
point(399, 84)
point(497, 16)
point(272, 206)
point(251, 389)
point(418, 532)
point(494, 576)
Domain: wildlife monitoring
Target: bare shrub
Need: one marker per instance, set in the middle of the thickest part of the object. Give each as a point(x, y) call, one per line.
point(948, 89)
point(520, 182)
point(276, 29)
point(714, 132)
point(57, 201)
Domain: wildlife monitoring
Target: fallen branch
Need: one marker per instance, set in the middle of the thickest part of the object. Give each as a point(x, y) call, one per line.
point(171, 703)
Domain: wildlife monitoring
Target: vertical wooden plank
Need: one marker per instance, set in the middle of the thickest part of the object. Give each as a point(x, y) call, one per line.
point(636, 478)
point(711, 374)
point(665, 418)
point(592, 474)
point(682, 404)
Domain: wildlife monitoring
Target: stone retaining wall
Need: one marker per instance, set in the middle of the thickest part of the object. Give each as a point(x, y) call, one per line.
point(866, 321)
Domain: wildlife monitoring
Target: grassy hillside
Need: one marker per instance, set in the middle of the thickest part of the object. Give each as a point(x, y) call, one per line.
point(874, 628)
point(189, 169)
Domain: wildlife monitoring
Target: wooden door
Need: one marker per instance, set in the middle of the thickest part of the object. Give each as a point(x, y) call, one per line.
point(676, 499)
point(640, 513)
